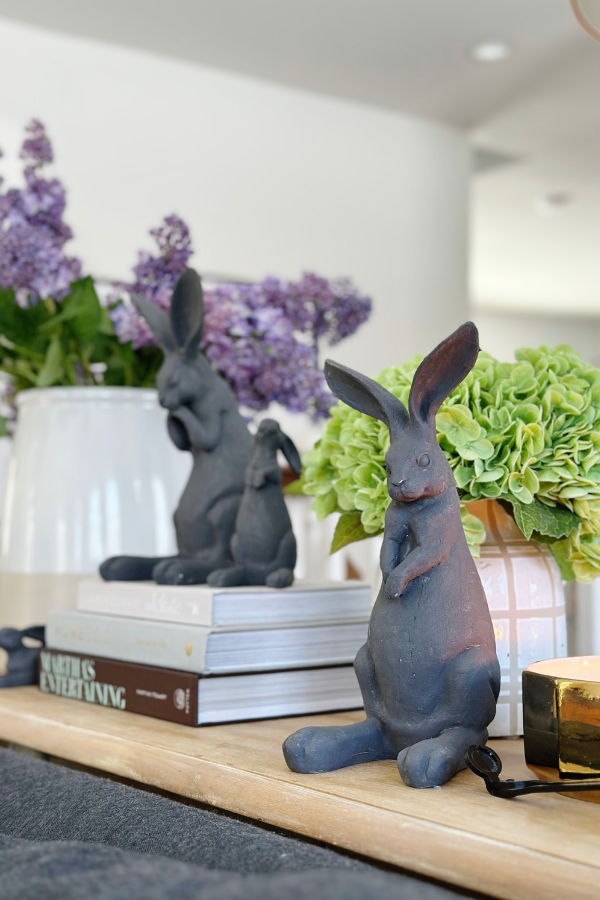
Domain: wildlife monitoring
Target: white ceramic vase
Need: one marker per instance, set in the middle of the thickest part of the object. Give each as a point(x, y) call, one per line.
point(526, 598)
point(92, 473)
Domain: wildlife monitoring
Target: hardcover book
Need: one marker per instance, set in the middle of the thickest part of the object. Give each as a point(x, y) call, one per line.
point(305, 602)
point(197, 700)
point(204, 650)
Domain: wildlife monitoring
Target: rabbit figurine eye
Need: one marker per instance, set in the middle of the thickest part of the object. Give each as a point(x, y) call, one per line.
point(424, 460)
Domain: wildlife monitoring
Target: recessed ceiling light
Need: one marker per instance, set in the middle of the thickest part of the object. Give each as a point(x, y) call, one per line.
point(490, 51)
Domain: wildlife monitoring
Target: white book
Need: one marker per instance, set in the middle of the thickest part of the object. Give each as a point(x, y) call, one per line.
point(305, 602)
point(201, 649)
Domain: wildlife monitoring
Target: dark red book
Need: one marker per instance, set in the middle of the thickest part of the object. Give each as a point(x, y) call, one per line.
point(161, 693)
point(196, 699)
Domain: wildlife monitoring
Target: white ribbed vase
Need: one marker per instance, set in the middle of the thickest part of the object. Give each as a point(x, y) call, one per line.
point(525, 595)
point(92, 473)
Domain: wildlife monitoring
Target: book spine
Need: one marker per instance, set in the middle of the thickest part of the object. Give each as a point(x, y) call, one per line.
point(168, 645)
point(150, 691)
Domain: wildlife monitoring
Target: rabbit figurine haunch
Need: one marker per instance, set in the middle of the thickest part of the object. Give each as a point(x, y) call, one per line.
point(428, 673)
point(263, 546)
point(204, 419)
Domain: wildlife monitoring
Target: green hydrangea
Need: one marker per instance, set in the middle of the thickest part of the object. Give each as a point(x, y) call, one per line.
point(527, 433)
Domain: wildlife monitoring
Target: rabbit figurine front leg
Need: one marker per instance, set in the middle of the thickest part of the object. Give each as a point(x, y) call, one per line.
point(425, 537)
point(428, 673)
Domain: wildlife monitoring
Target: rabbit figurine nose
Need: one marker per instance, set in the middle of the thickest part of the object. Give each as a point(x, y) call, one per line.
point(398, 483)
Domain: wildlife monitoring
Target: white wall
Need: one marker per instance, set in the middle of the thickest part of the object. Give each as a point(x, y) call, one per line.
point(501, 333)
point(272, 180)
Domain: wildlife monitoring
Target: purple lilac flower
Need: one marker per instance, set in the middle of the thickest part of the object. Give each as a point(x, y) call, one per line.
point(32, 230)
point(262, 338)
point(36, 149)
point(155, 278)
point(320, 308)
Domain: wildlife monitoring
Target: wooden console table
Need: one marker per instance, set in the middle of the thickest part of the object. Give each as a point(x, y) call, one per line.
point(531, 848)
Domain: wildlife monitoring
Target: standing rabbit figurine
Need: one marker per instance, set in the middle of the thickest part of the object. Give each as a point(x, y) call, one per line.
point(263, 546)
point(428, 673)
point(204, 419)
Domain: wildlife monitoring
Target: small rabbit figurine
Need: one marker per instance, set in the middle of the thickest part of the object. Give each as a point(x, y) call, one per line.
point(428, 673)
point(22, 660)
point(204, 419)
point(263, 546)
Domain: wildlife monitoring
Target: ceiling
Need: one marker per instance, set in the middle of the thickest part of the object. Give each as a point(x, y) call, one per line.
point(410, 55)
point(534, 117)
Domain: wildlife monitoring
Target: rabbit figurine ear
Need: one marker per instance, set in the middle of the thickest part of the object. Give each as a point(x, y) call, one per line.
point(288, 448)
point(158, 322)
point(187, 311)
point(441, 372)
point(365, 395)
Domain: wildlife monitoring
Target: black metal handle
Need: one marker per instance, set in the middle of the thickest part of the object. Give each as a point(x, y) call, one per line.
point(486, 763)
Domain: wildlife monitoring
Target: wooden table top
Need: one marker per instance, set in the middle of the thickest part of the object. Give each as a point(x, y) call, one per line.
point(545, 847)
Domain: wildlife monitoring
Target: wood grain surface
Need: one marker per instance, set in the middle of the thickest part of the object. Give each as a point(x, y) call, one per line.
point(530, 848)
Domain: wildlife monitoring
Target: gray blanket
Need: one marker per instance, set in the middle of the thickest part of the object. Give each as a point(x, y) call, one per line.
point(67, 834)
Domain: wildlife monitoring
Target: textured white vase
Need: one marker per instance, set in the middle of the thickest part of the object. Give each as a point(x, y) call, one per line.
point(92, 473)
point(526, 598)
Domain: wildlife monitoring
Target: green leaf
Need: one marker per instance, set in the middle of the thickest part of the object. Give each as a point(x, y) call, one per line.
point(560, 550)
point(106, 325)
point(21, 325)
point(547, 520)
point(81, 310)
point(294, 488)
point(348, 530)
point(53, 368)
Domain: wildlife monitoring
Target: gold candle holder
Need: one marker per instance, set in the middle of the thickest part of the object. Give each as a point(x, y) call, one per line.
point(561, 715)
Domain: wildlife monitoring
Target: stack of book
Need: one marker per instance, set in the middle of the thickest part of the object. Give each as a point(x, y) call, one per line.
point(200, 655)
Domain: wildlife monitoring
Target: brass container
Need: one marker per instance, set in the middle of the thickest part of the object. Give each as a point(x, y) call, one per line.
point(561, 715)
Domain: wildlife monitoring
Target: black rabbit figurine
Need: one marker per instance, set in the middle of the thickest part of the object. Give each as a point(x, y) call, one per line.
point(22, 665)
point(263, 546)
point(428, 673)
point(204, 419)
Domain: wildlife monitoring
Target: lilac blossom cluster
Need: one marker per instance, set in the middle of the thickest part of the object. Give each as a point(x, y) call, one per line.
point(32, 230)
point(253, 344)
point(262, 338)
point(155, 278)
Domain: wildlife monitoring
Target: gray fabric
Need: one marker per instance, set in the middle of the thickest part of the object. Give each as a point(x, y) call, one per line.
point(71, 870)
point(63, 817)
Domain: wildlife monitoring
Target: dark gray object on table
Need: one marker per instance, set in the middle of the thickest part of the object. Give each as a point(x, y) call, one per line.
point(428, 673)
point(203, 419)
point(263, 545)
point(66, 834)
point(22, 667)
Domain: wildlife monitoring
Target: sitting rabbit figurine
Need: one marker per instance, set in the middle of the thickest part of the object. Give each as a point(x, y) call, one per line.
point(263, 546)
point(204, 419)
point(22, 660)
point(428, 673)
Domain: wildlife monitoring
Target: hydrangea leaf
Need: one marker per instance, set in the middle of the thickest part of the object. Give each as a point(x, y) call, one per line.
point(546, 520)
point(561, 551)
point(348, 530)
point(294, 488)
